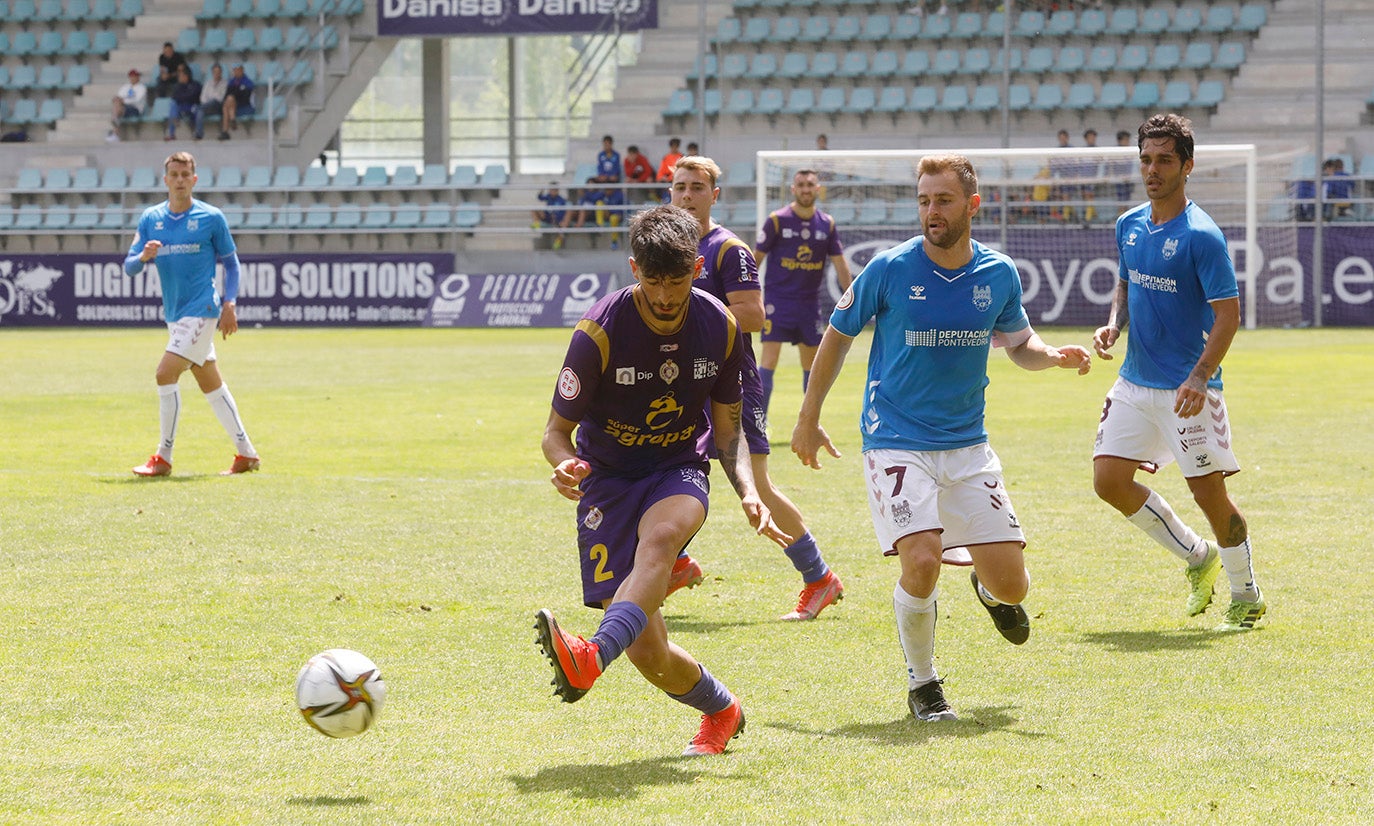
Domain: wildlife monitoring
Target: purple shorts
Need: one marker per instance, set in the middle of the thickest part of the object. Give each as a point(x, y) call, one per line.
point(793, 322)
point(608, 521)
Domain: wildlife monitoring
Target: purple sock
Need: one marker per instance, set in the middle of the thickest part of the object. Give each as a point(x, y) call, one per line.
point(806, 379)
point(622, 625)
point(708, 696)
point(766, 379)
point(806, 557)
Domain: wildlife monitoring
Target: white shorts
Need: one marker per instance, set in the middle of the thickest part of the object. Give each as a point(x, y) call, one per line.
point(193, 339)
point(957, 492)
point(1139, 424)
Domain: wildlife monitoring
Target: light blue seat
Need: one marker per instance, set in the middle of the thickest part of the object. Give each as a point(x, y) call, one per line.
point(259, 216)
point(58, 179)
point(297, 38)
point(434, 176)
point(1144, 95)
point(24, 43)
point(1081, 96)
point(229, 177)
point(1029, 23)
point(239, 9)
point(1220, 19)
point(1101, 59)
point(258, 178)
point(1230, 55)
point(1187, 20)
point(50, 77)
point(85, 216)
point(266, 9)
point(945, 63)
point(188, 41)
point(78, 44)
point(770, 101)
point(467, 216)
point(377, 217)
point(103, 11)
point(1039, 60)
point(846, 28)
point(1176, 95)
point(734, 65)
point(905, 28)
point(830, 101)
point(271, 70)
point(876, 27)
point(976, 61)
point(1134, 58)
point(924, 98)
point(815, 30)
point(1013, 54)
point(892, 100)
point(215, 41)
point(794, 65)
point(740, 173)
point(825, 65)
point(405, 176)
point(1048, 97)
point(1166, 58)
point(1091, 23)
point(1018, 97)
point(985, 98)
point(763, 66)
point(436, 216)
point(286, 177)
point(756, 30)
point(936, 27)
point(1197, 56)
point(904, 214)
point(1070, 59)
point(317, 217)
point(294, 9)
point(317, 177)
point(205, 176)
point(211, 10)
point(844, 212)
point(23, 11)
point(271, 40)
point(24, 76)
point(968, 25)
point(728, 30)
point(871, 213)
point(740, 102)
point(104, 42)
point(50, 44)
point(494, 176)
point(112, 218)
point(24, 112)
point(680, 102)
point(406, 216)
point(915, 63)
point(130, 10)
point(30, 179)
point(1111, 96)
point(464, 175)
point(1060, 23)
point(1123, 22)
point(57, 218)
point(114, 179)
point(4, 84)
point(1251, 18)
point(786, 29)
point(995, 24)
point(1209, 93)
point(29, 217)
point(242, 41)
point(50, 111)
point(301, 72)
point(1154, 20)
point(862, 101)
point(86, 179)
point(346, 177)
point(800, 102)
point(884, 63)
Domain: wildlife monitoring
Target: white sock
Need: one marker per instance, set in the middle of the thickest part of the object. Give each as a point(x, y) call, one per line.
point(168, 412)
point(228, 414)
point(1158, 520)
point(1236, 561)
point(916, 632)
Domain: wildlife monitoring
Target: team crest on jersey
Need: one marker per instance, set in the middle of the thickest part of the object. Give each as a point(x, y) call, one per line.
point(901, 513)
point(669, 371)
point(1170, 247)
point(806, 233)
point(982, 298)
point(569, 385)
point(593, 520)
point(193, 225)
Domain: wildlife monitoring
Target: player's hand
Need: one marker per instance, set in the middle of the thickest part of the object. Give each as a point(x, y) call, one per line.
point(762, 520)
point(1103, 339)
point(149, 251)
point(228, 319)
point(567, 475)
point(1073, 357)
point(807, 441)
point(1191, 398)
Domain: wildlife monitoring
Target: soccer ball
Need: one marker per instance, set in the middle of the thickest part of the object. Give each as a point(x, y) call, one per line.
point(340, 692)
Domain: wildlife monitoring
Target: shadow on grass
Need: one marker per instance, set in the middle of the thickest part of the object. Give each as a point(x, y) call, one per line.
point(1136, 641)
point(972, 722)
point(689, 625)
point(158, 480)
point(619, 782)
point(327, 800)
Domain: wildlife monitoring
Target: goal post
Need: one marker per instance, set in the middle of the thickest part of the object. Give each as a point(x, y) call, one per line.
point(1054, 212)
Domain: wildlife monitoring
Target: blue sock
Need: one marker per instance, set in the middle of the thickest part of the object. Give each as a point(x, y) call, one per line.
point(806, 557)
point(708, 696)
point(766, 377)
point(622, 625)
point(806, 379)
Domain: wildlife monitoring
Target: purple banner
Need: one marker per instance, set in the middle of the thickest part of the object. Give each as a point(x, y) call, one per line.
point(294, 290)
point(1064, 284)
point(515, 299)
point(449, 18)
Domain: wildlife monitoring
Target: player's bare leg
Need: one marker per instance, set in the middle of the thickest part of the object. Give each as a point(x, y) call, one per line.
point(1233, 537)
point(915, 602)
point(1001, 582)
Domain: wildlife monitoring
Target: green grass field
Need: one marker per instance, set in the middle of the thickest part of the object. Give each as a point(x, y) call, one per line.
point(151, 631)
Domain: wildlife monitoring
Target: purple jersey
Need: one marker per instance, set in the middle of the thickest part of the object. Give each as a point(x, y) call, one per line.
point(798, 250)
point(640, 398)
point(729, 268)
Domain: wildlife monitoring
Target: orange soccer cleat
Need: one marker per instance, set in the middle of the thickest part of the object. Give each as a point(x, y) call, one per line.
point(155, 466)
point(816, 596)
point(575, 662)
point(717, 730)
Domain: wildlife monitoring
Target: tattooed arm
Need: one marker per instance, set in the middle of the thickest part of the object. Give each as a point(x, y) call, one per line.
point(734, 460)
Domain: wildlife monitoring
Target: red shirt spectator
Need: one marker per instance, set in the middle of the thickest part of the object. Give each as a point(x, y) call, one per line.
point(637, 167)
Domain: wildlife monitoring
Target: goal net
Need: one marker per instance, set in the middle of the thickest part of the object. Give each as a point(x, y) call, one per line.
point(1054, 212)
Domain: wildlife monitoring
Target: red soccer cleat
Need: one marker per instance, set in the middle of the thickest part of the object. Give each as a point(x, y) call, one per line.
point(242, 464)
point(816, 596)
point(575, 662)
point(686, 574)
point(717, 730)
point(155, 466)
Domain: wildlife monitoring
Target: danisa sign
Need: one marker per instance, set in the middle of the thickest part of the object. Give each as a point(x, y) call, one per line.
point(450, 18)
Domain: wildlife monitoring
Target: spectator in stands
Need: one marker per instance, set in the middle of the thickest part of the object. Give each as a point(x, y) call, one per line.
point(608, 168)
point(822, 143)
point(638, 170)
point(692, 149)
point(238, 101)
point(550, 216)
point(167, 65)
point(185, 104)
point(1337, 186)
point(129, 103)
point(1063, 194)
point(669, 162)
point(212, 93)
point(592, 194)
point(611, 212)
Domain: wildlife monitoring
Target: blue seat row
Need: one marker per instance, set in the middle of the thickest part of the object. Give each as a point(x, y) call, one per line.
point(71, 11)
point(264, 178)
point(259, 217)
point(25, 76)
point(78, 43)
point(217, 41)
point(31, 112)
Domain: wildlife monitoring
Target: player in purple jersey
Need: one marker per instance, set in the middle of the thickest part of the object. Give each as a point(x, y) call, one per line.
point(643, 365)
point(728, 272)
point(803, 238)
point(187, 237)
point(1177, 289)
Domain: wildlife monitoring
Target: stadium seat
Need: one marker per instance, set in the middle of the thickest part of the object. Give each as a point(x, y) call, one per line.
point(406, 216)
point(494, 176)
point(740, 102)
point(756, 30)
point(945, 63)
point(377, 217)
point(740, 173)
point(50, 111)
point(1197, 56)
point(1018, 97)
point(30, 179)
point(1209, 93)
point(114, 179)
point(891, 100)
point(104, 42)
point(346, 177)
point(242, 41)
point(301, 72)
point(884, 63)
point(436, 216)
point(1144, 95)
point(49, 11)
point(59, 179)
point(1081, 96)
point(1048, 97)
point(85, 216)
point(734, 65)
point(1101, 59)
point(905, 28)
point(1111, 96)
point(915, 64)
point(317, 177)
point(317, 217)
point(1134, 58)
point(104, 11)
point(844, 212)
point(976, 61)
point(257, 178)
point(211, 10)
point(815, 30)
point(112, 218)
point(1014, 54)
point(681, 102)
point(23, 43)
point(374, 176)
point(801, 102)
point(4, 84)
point(826, 65)
point(1220, 19)
point(1154, 20)
point(49, 44)
point(1091, 23)
point(29, 217)
point(924, 99)
point(239, 10)
point(1165, 58)
point(58, 217)
point(862, 101)
point(229, 177)
point(467, 216)
point(1124, 22)
point(969, 25)
point(270, 40)
point(188, 41)
point(1251, 18)
point(286, 177)
point(1176, 95)
point(794, 66)
point(830, 101)
point(405, 176)
point(78, 44)
point(876, 27)
point(770, 101)
point(785, 30)
point(298, 38)
point(1230, 55)
point(728, 30)
point(434, 176)
point(1070, 60)
point(1029, 24)
point(215, 41)
point(986, 97)
point(23, 11)
point(1039, 60)
point(1187, 20)
point(130, 10)
point(871, 213)
point(936, 27)
point(24, 112)
point(1061, 23)
point(259, 216)
point(271, 71)
point(24, 76)
point(266, 9)
point(846, 29)
point(86, 179)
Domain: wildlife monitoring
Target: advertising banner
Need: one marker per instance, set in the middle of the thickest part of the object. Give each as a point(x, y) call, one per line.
point(515, 299)
point(454, 18)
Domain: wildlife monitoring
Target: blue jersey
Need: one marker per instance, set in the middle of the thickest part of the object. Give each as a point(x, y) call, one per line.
point(640, 398)
point(929, 362)
point(192, 241)
point(1174, 270)
point(608, 165)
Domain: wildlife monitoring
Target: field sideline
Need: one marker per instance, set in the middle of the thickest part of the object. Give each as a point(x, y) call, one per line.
point(152, 630)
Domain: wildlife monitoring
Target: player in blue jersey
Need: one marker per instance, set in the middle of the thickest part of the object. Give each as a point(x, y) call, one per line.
point(729, 273)
point(804, 238)
point(187, 236)
point(643, 365)
point(1177, 290)
point(938, 300)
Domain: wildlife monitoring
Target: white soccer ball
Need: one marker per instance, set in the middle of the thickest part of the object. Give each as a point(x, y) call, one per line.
point(340, 692)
